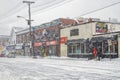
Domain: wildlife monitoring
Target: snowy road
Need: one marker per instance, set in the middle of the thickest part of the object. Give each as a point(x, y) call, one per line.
point(55, 69)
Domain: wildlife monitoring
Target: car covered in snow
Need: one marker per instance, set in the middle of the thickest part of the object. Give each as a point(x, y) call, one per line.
point(11, 55)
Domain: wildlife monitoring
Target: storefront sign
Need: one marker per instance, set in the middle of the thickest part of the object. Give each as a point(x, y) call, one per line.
point(38, 44)
point(53, 42)
point(11, 47)
point(47, 43)
point(63, 40)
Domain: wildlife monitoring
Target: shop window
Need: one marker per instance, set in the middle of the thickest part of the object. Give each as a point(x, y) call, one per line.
point(82, 48)
point(74, 49)
point(78, 49)
point(74, 32)
point(105, 48)
point(70, 49)
point(116, 48)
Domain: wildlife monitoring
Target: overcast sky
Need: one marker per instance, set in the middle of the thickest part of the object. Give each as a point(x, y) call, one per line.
point(47, 10)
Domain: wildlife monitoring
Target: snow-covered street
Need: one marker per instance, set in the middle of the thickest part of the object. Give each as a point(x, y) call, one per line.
point(58, 69)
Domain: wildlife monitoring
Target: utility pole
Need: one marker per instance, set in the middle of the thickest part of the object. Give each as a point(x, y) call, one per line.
point(29, 23)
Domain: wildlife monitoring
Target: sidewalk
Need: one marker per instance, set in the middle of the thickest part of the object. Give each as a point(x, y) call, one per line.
point(66, 58)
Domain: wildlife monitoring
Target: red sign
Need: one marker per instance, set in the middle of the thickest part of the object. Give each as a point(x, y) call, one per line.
point(53, 42)
point(47, 43)
point(38, 44)
point(63, 40)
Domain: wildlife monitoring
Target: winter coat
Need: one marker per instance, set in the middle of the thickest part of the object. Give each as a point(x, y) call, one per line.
point(95, 52)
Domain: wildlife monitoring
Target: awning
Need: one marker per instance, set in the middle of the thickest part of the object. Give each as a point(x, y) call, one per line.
point(101, 39)
point(75, 41)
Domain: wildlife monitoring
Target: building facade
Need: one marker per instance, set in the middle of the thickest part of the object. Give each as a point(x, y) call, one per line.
point(23, 42)
point(12, 40)
point(78, 41)
point(47, 37)
point(4, 41)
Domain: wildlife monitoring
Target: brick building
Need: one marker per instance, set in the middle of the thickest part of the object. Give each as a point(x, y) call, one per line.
point(47, 37)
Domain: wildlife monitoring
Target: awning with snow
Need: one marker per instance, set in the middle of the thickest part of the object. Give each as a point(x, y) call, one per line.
point(75, 41)
point(101, 39)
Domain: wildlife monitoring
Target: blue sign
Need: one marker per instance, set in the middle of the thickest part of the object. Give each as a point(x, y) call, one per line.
point(11, 47)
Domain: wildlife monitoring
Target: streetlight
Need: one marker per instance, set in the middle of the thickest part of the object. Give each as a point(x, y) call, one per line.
point(28, 21)
point(22, 17)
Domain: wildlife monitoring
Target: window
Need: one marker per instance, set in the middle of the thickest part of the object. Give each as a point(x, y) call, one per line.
point(70, 48)
point(74, 32)
point(82, 48)
point(78, 49)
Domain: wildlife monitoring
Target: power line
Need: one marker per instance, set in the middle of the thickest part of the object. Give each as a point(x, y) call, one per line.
point(46, 6)
point(43, 4)
point(52, 5)
point(15, 9)
point(100, 9)
point(11, 9)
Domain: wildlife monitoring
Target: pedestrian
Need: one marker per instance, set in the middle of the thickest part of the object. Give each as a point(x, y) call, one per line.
point(99, 53)
point(95, 53)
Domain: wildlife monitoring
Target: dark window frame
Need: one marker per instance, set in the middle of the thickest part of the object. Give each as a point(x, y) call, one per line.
point(74, 32)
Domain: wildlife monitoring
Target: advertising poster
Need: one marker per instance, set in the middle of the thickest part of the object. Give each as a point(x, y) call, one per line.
point(101, 27)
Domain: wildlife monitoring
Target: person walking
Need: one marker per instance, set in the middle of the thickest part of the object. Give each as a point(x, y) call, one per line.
point(95, 53)
point(99, 53)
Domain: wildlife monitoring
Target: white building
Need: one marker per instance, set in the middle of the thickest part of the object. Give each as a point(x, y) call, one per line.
point(77, 40)
point(12, 40)
point(23, 42)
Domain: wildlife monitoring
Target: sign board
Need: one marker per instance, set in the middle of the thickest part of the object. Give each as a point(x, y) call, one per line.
point(11, 47)
point(63, 40)
point(47, 43)
point(18, 47)
point(53, 42)
point(38, 44)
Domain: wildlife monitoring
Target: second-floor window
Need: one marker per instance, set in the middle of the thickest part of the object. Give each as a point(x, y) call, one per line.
point(74, 32)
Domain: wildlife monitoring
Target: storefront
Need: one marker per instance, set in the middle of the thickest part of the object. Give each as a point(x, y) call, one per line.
point(49, 48)
point(19, 49)
point(108, 45)
point(78, 48)
point(52, 48)
point(82, 38)
point(10, 48)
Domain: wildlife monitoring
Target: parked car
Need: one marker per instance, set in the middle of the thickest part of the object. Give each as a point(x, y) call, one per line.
point(11, 55)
